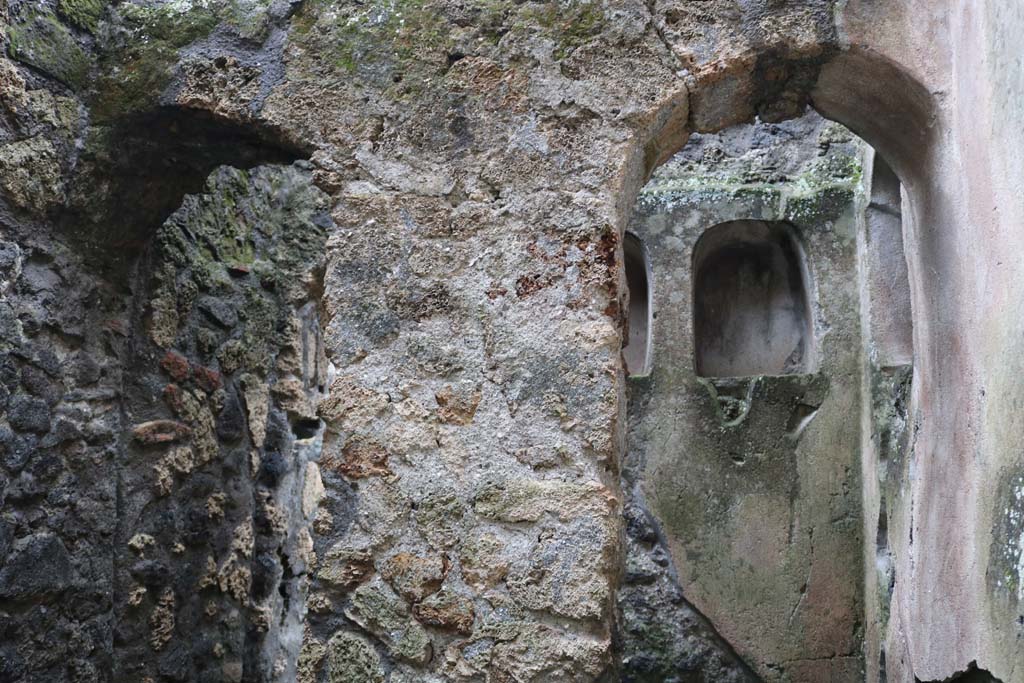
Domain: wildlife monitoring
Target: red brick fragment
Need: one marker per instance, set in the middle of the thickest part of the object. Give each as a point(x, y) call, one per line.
point(176, 365)
point(446, 610)
point(174, 398)
point(456, 407)
point(360, 459)
point(208, 380)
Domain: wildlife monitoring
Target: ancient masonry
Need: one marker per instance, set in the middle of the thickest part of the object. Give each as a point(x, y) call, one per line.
point(511, 341)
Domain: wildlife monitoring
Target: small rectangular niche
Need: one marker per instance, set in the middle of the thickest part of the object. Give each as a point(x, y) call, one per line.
point(750, 306)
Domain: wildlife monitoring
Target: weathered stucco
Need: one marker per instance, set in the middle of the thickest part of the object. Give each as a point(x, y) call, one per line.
point(310, 327)
point(756, 479)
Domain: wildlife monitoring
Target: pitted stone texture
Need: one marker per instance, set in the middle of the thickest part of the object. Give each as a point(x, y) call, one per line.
point(352, 659)
point(376, 608)
point(481, 158)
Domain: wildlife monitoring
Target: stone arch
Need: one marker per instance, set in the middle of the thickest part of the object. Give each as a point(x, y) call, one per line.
point(135, 170)
point(213, 230)
point(875, 97)
point(870, 94)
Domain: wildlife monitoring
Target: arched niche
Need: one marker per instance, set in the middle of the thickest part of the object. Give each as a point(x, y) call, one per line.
point(136, 170)
point(636, 349)
point(883, 102)
point(750, 303)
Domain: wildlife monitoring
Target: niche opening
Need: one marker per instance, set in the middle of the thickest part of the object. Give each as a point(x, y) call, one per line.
point(636, 351)
point(887, 279)
point(750, 305)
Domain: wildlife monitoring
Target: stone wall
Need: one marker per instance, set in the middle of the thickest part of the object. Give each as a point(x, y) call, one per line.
point(64, 332)
point(217, 476)
point(476, 165)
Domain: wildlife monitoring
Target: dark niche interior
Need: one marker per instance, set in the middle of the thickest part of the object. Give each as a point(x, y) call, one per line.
point(750, 303)
point(636, 352)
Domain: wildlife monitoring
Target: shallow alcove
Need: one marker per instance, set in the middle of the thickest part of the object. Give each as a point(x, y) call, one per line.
point(136, 171)
point(887, 280)
point(636, 349)
point(750, 311)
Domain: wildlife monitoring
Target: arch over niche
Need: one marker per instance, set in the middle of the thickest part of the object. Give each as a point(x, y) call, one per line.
point(884, 105)
point(751, 313)
point(867, 92)
point(136, 170)
point(877, 98)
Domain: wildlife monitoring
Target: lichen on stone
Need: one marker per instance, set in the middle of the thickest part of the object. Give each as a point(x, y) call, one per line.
point(352, 659)
point(388, 35)
point(140, 53)
point(1006, 563)
point(377, 609)
point(30, 173)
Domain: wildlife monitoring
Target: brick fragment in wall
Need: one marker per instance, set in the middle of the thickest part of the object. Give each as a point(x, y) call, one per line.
point(414, 577)
point(446, 609)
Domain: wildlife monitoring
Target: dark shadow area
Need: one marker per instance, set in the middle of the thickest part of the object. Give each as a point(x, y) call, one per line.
point(131, 176)
point(637, 348)
point(972, 675)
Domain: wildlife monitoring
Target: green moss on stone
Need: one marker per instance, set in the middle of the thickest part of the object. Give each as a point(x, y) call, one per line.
point(42, 41)
point(830, 171)
point(142, 51)
point(568, 24)
point(527, 500)
point(84, 14)
point(402, 46)
point(823, 206)
point(397, 45)
point(175, 25)
point(269, 215)
point(439, 517)
point(492, 19)
point(385, 615)
point(1005, 572)
point(249, 18)
point(353, 660)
